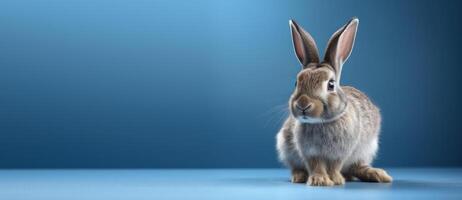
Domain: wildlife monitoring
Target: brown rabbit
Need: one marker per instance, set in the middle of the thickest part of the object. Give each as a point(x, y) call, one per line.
point(332, 130)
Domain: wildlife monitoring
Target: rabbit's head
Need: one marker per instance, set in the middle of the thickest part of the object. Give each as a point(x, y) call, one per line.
point(318, 96)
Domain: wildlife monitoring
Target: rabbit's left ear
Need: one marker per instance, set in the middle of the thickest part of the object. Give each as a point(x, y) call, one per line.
point(340, 45)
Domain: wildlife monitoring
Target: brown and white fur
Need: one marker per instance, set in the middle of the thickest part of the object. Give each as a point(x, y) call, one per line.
point(332, 132)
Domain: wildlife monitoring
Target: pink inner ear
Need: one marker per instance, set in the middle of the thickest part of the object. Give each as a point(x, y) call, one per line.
point(298, 45)
point(345, 43)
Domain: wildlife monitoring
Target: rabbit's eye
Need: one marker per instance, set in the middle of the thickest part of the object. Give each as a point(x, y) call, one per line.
point(331, 85)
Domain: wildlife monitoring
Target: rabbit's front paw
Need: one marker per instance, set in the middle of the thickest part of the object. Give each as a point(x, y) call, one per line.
point(320, 180)
point(337, 178)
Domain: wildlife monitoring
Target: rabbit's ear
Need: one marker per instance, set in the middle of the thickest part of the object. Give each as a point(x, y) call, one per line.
point(340, 45)
point(304, 45)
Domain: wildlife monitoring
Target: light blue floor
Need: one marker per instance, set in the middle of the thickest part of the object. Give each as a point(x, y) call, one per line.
point(236, 184)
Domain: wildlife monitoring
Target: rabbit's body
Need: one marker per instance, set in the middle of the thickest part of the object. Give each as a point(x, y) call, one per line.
point(352, 138)
point(332, 131)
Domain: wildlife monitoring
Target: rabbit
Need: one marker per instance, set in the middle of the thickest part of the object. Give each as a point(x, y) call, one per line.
point(332, 132)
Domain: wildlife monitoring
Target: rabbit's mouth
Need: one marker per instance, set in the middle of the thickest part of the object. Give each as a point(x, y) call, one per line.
point(309, 120)
point(303, 118)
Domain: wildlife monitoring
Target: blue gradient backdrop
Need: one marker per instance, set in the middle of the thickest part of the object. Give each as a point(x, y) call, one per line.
point(111, 83)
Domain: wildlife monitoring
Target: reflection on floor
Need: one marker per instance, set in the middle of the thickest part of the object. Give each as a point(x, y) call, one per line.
point(205, 184)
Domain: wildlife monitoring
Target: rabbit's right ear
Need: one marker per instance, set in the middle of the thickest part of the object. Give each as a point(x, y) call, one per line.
point(304, 45)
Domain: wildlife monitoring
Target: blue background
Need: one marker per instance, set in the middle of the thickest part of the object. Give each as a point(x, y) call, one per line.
point(111, 83)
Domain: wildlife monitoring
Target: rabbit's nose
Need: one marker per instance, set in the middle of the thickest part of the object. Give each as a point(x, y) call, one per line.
point(304, 106)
